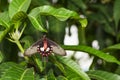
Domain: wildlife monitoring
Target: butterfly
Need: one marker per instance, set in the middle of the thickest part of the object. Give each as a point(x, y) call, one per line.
point(45, 47)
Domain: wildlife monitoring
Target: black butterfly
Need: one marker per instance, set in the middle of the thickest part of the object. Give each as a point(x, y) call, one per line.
point(45, 47)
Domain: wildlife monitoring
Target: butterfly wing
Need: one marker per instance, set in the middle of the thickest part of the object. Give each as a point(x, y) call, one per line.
point(33, 49)
point(56, 48)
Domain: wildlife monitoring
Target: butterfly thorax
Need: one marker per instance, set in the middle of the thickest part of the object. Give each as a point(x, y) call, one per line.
point(45, 49)
point(45, 44)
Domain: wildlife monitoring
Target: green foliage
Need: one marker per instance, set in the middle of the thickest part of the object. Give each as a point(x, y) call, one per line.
point(12, 71)
point(73, 69)
point(103, 75)
point(22, 22)
point(4, 21)
point(17, 6)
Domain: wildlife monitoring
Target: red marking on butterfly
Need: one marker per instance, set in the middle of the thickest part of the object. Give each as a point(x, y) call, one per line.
point(45, 47)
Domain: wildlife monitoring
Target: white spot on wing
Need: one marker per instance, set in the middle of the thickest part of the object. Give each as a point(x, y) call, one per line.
point(42, 49)
point(48, 49)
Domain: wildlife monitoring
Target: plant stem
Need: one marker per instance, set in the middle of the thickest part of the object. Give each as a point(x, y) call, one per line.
point(21, 48)
point(81, 34)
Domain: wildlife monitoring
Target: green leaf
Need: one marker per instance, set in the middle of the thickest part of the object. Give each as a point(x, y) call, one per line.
point(40, 2)
point(103, 75)
point(58, 64)
point(36, 19)
point(3, 33)
point(116, 11)
point(12, 71)
point(94, 52)
point(38, 62)
point(5, 22)
point(18, 5)
point(1, 57)
point(19, 16)
point(61, 78)
point(70, 74)
point(51, 75)
point(28, 74)
point(113, 47)
point(73, 67)
point(4, 19)
point(61, 14)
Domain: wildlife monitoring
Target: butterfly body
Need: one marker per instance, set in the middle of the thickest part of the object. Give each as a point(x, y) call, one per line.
point(45, 43)
point(44, 49)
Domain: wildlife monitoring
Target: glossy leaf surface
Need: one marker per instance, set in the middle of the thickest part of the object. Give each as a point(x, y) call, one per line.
point(12, 71)
point(74, 67)
point(18, 5)
point(103, 75)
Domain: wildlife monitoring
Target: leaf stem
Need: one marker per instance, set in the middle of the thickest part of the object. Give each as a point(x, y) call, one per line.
point(82, 39)
point(21, 49)
point(20, 46)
